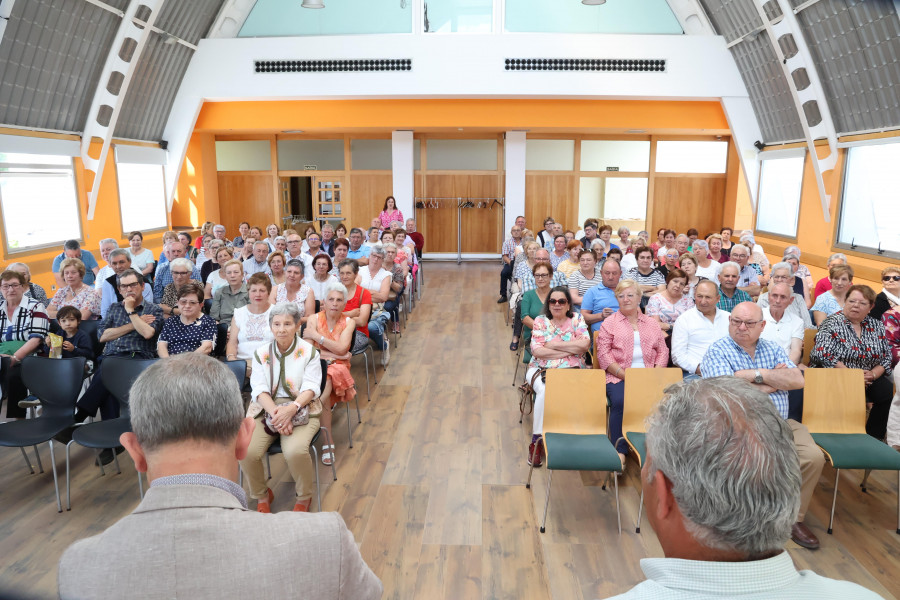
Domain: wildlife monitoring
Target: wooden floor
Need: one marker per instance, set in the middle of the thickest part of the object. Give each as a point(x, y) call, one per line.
point(433, 488)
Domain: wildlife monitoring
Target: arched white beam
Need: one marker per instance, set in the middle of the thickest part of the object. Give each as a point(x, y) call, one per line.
point(128, 29)
point(231, 18)
point(745, 132)
point(777, 28)
point(692, 17)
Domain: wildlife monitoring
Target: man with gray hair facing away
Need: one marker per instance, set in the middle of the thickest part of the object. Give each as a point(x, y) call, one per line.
point(189, 433)
point(721, 487)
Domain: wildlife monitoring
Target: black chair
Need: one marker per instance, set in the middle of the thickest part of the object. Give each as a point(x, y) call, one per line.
point(119, 374)
point(92, 329)
point(56, 382)
point(239, 368)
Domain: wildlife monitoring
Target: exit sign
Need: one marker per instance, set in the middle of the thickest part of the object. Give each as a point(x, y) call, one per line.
point(314, 168)
point(612, 168)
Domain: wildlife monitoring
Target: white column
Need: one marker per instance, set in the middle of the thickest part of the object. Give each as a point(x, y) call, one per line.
point(403, 167)
point(515, 179)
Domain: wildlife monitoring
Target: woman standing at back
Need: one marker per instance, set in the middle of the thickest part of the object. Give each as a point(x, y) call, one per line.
point(389, 213)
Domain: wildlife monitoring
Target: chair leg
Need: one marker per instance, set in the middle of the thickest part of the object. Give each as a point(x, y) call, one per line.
point(27, 462)
point(547, 502)
point(349, 428)
point(68, 477)
point(898, 503)
point(368, 389)
point(328, 440)
point(516, 372)
point(865, 478)
point(837, 475)
point(55, 478)
point(366, 356)
point(618, 514)
point(116, 459)
point(531, 471)
point(358, 414)
point(99, 462)
point(315, 460)
point(37, 456)
point(637, 528)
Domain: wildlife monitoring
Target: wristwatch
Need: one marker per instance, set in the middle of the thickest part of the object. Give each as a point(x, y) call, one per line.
point(758, 378)
point(298, 405)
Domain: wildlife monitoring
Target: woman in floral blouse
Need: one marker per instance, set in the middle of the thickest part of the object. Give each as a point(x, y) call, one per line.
point(76, 292)
point(891, 320)
point(389, 213)
point(851, 339)
point(559, 339)
point(670, 303)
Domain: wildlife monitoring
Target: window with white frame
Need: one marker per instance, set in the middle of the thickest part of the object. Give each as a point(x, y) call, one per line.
point(39, 200)
point(780, 183)
point(142, 193)
point(870, 209)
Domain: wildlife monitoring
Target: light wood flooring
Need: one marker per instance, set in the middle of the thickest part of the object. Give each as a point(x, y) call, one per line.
point(433, 488)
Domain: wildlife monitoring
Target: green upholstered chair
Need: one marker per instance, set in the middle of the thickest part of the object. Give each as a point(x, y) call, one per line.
point(574, 428)
point(834, 410)
point(642, 394)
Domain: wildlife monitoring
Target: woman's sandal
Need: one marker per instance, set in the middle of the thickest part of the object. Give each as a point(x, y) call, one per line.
point(513, 346)
point(302, 505)
point(265, 506)
point(328, 455)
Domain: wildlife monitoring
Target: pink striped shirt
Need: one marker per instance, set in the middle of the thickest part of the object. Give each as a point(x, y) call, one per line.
point(615, 343)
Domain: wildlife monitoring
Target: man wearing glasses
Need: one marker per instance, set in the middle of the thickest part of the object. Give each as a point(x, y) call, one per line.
point(129, 330)
point(119, 261)
point(767, 366)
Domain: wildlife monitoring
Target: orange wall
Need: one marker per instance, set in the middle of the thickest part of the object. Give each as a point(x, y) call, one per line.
point(196, 183)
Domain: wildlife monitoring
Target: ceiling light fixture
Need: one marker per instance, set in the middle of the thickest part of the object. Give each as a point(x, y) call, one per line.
point(593, 2)
point(317, 4)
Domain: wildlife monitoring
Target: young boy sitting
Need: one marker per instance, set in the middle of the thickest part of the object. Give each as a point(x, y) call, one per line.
point(75, 342)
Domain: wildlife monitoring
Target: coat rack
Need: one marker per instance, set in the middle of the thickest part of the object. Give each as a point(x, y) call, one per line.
point(461, 203)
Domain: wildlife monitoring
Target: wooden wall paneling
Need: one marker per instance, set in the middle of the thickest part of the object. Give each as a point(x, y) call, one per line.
point(440, 223)
point(247, 197)
point(683, 202)
point(481, 226)
point(551, 195)
point(367, 194)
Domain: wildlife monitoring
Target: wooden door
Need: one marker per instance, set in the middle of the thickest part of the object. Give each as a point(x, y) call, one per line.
point(329, 198)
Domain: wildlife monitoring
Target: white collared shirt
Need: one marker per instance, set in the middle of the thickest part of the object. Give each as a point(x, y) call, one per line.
point(782, 332)
point(692, 336)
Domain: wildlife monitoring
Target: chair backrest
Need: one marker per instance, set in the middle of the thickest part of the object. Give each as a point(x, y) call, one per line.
point(55, 381)
point(574, 401)
point(92, 329)
point(119, 373)
point(834, 401)
point(643, 390)
point(239, 368)
point(594, 360)
point(809, 340)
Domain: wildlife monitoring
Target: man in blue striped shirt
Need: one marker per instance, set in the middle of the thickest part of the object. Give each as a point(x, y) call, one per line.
point(766, 365)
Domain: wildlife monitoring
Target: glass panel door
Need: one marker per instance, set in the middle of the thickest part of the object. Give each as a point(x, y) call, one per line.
point(329, 192)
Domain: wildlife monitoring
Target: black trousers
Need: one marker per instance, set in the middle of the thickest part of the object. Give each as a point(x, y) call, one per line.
point(13, 387)
point(97, 396)
point(221, 339)
point(505, 276)
point(880, 394)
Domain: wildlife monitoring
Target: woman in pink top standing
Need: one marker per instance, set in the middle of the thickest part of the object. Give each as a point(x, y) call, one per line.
point(390, 213)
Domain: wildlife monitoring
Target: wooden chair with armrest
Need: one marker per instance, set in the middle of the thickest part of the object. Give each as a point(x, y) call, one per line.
point(574, 428)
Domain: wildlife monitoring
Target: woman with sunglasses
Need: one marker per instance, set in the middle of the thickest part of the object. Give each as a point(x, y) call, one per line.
point(628, 339)
point(559, 339)
point(889, 297)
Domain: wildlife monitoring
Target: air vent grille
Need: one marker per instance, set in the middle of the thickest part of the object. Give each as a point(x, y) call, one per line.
point(587, 64)
point(345, 65)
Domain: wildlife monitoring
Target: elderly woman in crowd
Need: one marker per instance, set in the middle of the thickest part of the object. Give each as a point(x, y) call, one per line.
point(624, 240)
point(716, 252)
point(799, 286)
point(243, 231)
point(272, 232)
point(374, 237)
point(559, 253)
point(189, 251)
point(832, 301)
point(322, 266)
point(227, 299)
point(191, 330)
point(668, 244)
point(276, 264)
point(23, 327)
point(181, 269)
point(783, 273)
point(666, 306)
point(286, 379)
point(707, 268)
point(32, 290)
point(571, 264)
point(332, 333)
point(824, 284)
point(628, 339)
point(208, 263)
point(281, 244)
point(726, 233)
point(649, 280)
point(398, 282)
point(689, 264)
point(889, 298)
point(341, 248)
point(294, 289)
point(532, 304)
point(250, 324)
point(528, 250)
point(660, 240)
point(359, 303)
point(141, 258)
point(801, 271)
point(378, 281)
point(216, 278)
point(851, 339)
point(605, 233)
point(76, 292)
point(205, 229)
point(586, 277)
point(891, 321)
point(559, 339)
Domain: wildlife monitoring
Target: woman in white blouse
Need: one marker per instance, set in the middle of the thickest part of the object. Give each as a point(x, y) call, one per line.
point(141, 258)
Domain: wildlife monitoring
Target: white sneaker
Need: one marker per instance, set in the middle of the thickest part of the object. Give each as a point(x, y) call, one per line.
point(386, 353)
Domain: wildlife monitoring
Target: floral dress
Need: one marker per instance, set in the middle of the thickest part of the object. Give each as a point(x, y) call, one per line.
point(86, 299)
point(299, 299)
point(659, 306)
point(544, 331)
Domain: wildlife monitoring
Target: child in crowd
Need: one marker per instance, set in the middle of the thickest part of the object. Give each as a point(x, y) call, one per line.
point(75, 342)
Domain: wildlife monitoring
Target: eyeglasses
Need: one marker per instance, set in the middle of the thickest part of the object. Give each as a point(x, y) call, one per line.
point(748, 324)
point(785, 277)
point(560, 301)
point(10, 286)
point(188, 303)
point(181, 272)
point(536, 275)
point(891, 278)
point(857, 302)
point(128, 286)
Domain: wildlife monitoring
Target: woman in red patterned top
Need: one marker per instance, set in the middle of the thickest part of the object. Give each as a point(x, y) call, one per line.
point(891, 320)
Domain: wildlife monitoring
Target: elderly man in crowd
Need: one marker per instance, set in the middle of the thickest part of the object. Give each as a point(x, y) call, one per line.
point(785, 329)
point(257, 263)
point(600, 301)
point(767, 367)
point(72, 249)
point(106, 246)
point(509, 257)
point(417, 238)
point(721, 486)
point(328, 239)
point(729, 294)
point(541, 256)
point(748, 280)
point(189, 433)
point(358, 251)
point(590, 233)
point(219, 234)
point(697, 328)
point(164, 271)
point(682, 242)
point(783, 273)
point(119, 261)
